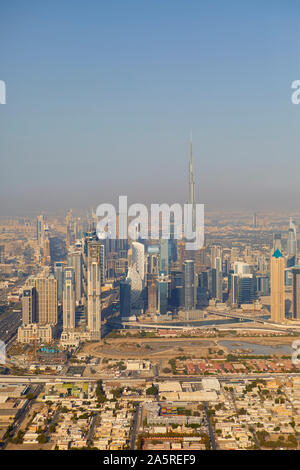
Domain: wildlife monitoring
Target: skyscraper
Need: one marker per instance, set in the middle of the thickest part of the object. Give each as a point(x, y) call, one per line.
point(125, 299)
point(254, 220)
point(59, 276)
point(189, 284)
point(29, 306)
point(138, 258)
point(215, 252)
point(162, 291)
point(94, 288)
point(152, 298)
point(69, 299)
point(75, 260)
point(277, 242)
point(40, 229)
point(164, 256)
point(219, 279)
point(277, 287)
point(296, 292)
point(46, 299)
point(69, 229)
point(292, 240)
point(191, 199)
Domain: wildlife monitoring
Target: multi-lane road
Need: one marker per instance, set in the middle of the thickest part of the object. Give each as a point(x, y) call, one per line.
point(9, 324)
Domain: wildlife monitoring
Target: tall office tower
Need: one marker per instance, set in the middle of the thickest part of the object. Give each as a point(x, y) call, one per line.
point(46, 246)
point(29, 306)
point(69, 299)
point(202, 289)
point(164, 256)
point(40, 223)
point(262, 264)
point(246, 289)
point(75, 260)
point(172, 240)
point(234, 290)
point(59, 276)
point(46, 299)
point(226, 264)
point(215, 252)
point(277, 287)
point(2, 254)
point(176, 288)
point(212, 282)
point(125, 299)
point(102, 264)
point(254, 220)
point(162, 294)
point(191, 199)
point(70, 236)
point(234, 254)
point(180, 253)
point(200, 260)
point(152, 261)
point(138, 258)
point(292, 240)
point(241, 268)
point(189, 284)
point(94, 288)
point(248, 254)
point(296, 292)
point(219, 279)
point(152, 297)
point(136, 284)
point(263, 285)
point(277, 245)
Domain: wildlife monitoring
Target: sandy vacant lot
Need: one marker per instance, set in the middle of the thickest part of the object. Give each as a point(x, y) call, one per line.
point(161, 348)
point(149, 347)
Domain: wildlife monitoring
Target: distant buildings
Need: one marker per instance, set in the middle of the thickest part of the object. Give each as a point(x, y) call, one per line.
point(2, 254)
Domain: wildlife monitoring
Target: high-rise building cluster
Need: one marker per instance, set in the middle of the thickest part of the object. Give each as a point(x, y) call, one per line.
point(156, 278)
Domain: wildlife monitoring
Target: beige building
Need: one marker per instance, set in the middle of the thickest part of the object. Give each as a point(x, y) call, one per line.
point(29, 306)
point(277, 287)
point(35, 332)
point(94, 288)
point(46, 299)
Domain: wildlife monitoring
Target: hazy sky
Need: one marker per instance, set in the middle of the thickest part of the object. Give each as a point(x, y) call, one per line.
point(101, 97)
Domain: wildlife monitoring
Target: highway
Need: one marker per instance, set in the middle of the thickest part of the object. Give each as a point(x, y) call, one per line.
point(9, 325)
point(33, 379)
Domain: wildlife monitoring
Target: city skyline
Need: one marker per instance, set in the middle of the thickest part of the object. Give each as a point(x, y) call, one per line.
point(149, 228)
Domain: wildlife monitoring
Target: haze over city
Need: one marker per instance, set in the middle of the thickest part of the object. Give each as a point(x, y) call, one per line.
point(101, 98)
